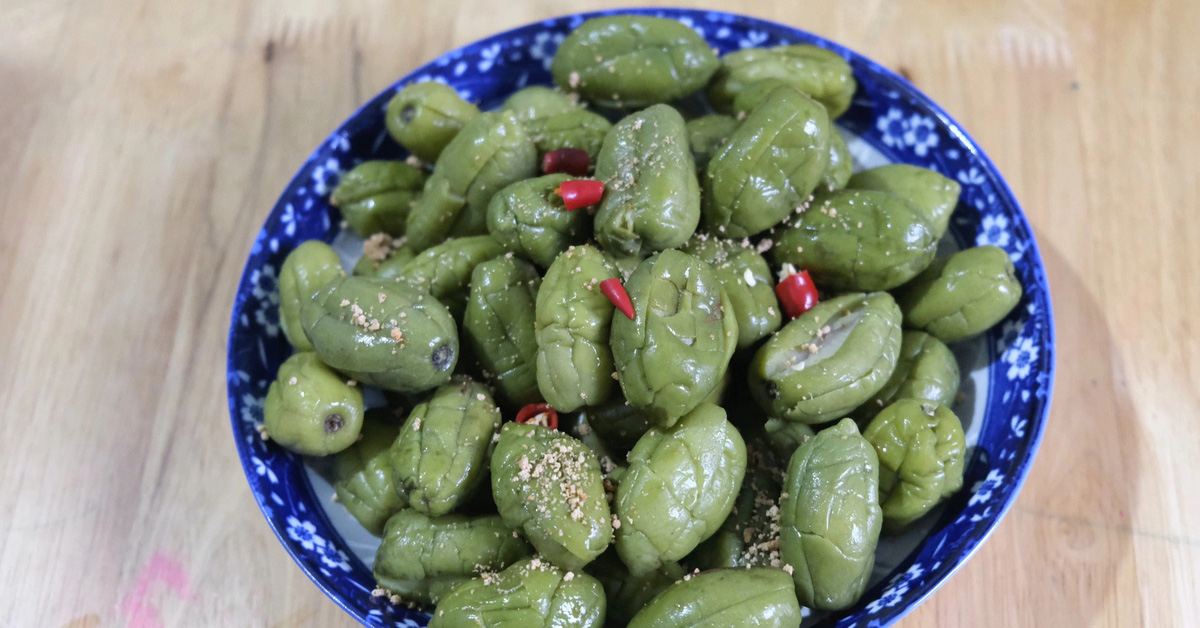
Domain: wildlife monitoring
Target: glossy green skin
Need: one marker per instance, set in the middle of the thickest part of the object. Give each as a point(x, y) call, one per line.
point(362, 477)
point(633, 61)
point(538, 102)
point(444, 271)
point(570, 528)
point(853, 359)
point(618, 423)
point(748, 525)
point(499, 325)
point(580, 129)
point(651, 196)
point(423, 558)
point(441, 456)
point(531, 593)
point(754, 306)
point(933, 194)
point(785, 437)
point(627, 594)
point(425, 117)
point(831, 517)
point(921, 451)
point(841, 165)
point(530, 220)
point(572, 321)
point(894, 243)
point(367, 267)
point(675, 351)
point(744, 598)
point(307, 268)
point(317, 415)
point(823, 75)
point(963, 296)
point(707, 135)
point(925, 369)
point(769, 167)
point(491, 152)
point(424, 357)
point(377, 195)
point(679, 489)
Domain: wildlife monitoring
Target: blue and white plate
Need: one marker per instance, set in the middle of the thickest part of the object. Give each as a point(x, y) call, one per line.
point(1008, 372)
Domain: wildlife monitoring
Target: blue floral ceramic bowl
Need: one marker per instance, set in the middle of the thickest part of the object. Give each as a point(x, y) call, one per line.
point(1009, 371)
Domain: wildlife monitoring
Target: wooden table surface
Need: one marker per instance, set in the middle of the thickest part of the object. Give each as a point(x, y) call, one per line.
point(142, 143)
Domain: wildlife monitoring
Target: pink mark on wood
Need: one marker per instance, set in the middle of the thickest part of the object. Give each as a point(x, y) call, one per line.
point(138, 609)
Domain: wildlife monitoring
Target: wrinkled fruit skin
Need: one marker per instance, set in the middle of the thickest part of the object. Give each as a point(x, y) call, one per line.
point(425, 117)
point(376, 196)
point(309, 266)
point(785, 437)
point(831, 517)
point(528, 219)
point(933, 194)
point(921, 451)
point(725, 597)
point(769, 166)
point(746, 536)
point(491, 152)
point(675, 351)
point(633, 61)
point(530, 593)
point(618, 423)
point(422, 558)
point(962, 296)
point(627, 594)
point(707, 135)
point(754, 306)
point(925, 369)
point(311, 410)
point(554, 120)
point(821, 74)
point(444, 271)
point(572, 320)
point(362, 476)
point(852, 359)
point(679, 488)
point(407, 341)
point(499, 323)
point(894, 243)
point(651, 196)
point(841, 165)
point(441, 456)
point(568, 519)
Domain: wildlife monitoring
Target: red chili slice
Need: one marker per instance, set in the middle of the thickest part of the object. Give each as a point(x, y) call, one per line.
point(796, 291)
point(615, 292)
point(581, 193)
point(538, 414)
point(571, 161)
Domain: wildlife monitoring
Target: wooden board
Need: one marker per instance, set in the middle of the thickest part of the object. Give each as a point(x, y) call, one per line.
point(142, 143)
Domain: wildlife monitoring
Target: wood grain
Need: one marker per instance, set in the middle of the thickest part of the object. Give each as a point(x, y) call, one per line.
point(142, 143)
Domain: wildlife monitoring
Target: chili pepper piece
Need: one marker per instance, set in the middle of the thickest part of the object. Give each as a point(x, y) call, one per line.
point(577, 194)
point(572, 161)
point(532, 414)
point(796, 291)
point(615, 292)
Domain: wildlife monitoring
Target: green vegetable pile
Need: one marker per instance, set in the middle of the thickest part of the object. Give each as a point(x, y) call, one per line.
point(716, 462)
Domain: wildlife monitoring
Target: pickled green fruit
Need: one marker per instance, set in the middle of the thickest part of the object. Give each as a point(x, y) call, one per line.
point(580, 129)
point(382, 333)
point(831, 517)
point(651, 197)
point(423, 558)
point(633, 61)
point(962, 296)
point(747, 280)
point(750, 534)
point(425, 117)
point(841, 165)
point(755, 93)
point(549, 485)
point(538, 102)
point(362, 476)
point(441, 456)
point(531, 593)
point(707, 135)
point(376, 196)
point(530, 220)
point(933, 194)
point(829, 360)
point(491, 152)
point(925, 369)
point(499, 323)
point(307, 268)
point(572, 320)
point(921, 451)
point(858, 241)
point(444, 271)
point(626, 593)
point(769, 167)
point(679, 488)
point(785, 437)
point(618, 423)
point(675, 350)
point(821, 74)
point(311, 410)
point(724, 597)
